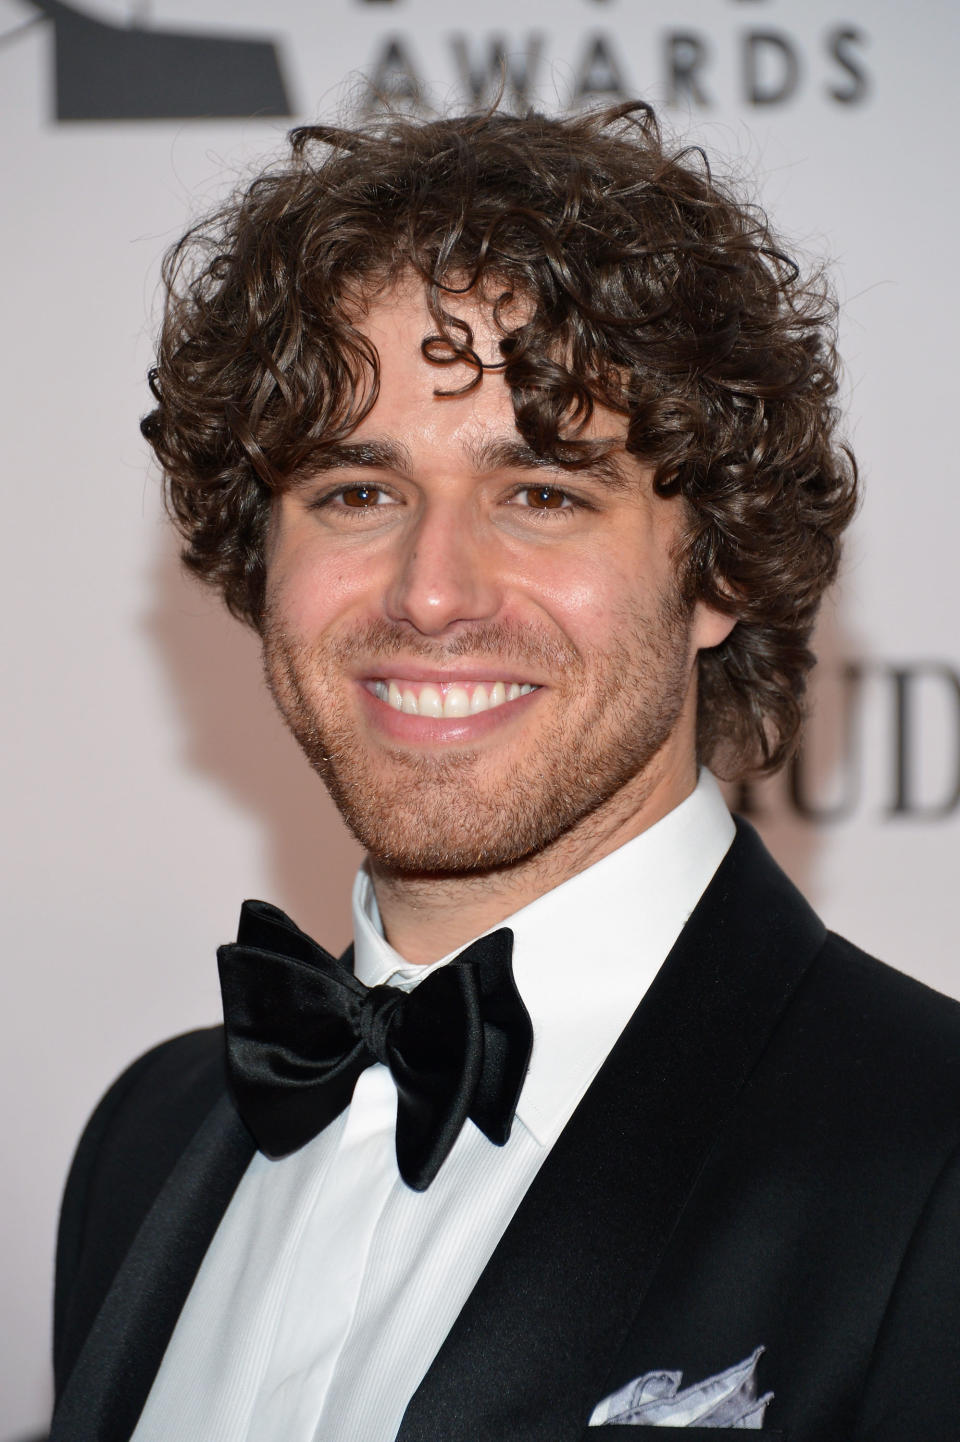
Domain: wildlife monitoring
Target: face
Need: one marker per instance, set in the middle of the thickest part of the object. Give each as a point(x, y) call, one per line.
point(482, 655)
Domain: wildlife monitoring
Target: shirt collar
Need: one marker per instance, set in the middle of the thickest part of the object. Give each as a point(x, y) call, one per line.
point(584, 953)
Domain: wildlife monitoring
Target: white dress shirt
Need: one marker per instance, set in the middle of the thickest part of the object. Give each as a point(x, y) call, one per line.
point(329, 1285)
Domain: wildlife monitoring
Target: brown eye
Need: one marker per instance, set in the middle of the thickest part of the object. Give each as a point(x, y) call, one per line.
point(359, 496)
point(545, 498)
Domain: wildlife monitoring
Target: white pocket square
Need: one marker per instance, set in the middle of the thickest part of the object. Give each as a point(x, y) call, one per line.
point(654, 1400)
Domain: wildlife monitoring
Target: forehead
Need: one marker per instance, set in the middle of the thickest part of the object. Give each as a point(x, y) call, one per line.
point(429, 397)
point(398, 323)
point(399, 314)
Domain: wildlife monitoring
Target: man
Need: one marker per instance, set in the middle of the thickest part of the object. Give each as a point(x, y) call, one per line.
point(515, 440)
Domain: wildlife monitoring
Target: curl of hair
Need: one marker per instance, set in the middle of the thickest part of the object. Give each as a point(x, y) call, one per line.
point(648, 288)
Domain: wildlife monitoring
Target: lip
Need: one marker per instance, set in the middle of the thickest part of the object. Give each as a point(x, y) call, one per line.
point(448, 676)
point(401, 727)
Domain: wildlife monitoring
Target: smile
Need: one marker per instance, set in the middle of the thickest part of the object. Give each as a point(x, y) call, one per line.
point(443, 700)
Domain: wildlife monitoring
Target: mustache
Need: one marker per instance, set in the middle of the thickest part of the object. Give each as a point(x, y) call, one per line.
point(494, 641)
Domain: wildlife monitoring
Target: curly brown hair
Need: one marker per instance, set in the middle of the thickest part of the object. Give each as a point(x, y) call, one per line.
point(649, 288)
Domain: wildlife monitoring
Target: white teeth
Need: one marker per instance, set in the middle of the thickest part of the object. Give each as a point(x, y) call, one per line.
point(448, 699)
point(456, 702)
point(431, 701)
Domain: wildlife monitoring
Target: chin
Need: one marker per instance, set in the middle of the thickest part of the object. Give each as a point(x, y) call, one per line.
point(446, 831)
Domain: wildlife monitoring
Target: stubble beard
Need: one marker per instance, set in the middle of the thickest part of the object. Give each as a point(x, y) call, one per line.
point(453, 813)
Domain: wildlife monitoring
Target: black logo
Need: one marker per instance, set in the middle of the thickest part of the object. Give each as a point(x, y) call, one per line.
point(766, 69)
point(114, 72)
point(883, 739)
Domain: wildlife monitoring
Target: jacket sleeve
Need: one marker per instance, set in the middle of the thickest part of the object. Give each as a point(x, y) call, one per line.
point(127, 1149)
point(913, 1385)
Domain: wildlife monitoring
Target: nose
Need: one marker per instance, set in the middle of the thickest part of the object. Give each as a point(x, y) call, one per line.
point(444, 573)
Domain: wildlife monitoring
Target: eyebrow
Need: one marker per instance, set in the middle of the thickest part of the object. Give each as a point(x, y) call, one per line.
point(360, 455)
point(597, 461)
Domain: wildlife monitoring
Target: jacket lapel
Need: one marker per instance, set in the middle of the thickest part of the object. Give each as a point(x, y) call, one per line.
point(530, 1353)
point(109, 1384)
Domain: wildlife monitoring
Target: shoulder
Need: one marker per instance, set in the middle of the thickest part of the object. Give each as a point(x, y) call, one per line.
point(866, 1061)
point(157, 1102)
point(884, 1009)
point(863, 1062)
point(128, 1148)
point(850, 1012)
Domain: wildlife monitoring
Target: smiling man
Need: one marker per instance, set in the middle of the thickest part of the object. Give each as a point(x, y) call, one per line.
point(488, 658)
point(514, 438)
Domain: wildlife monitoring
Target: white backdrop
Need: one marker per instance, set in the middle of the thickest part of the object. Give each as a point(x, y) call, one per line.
point(149, 786)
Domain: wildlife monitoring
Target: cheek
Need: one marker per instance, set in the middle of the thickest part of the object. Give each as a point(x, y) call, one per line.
point(592, 596)
point(584, 602)
point(311, 590)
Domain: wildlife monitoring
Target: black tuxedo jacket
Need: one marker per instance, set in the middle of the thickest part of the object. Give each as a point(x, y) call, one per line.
point(769, 1157)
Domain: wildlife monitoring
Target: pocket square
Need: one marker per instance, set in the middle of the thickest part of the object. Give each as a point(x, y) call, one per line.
point(655, 1400)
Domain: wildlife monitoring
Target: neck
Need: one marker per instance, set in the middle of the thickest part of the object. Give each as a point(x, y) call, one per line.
point(426, 917)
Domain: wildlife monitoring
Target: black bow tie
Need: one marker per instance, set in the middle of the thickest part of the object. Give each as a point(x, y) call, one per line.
point(301, 1028)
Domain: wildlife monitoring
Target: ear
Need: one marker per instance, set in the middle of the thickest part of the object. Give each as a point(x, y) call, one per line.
point(710, 626)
